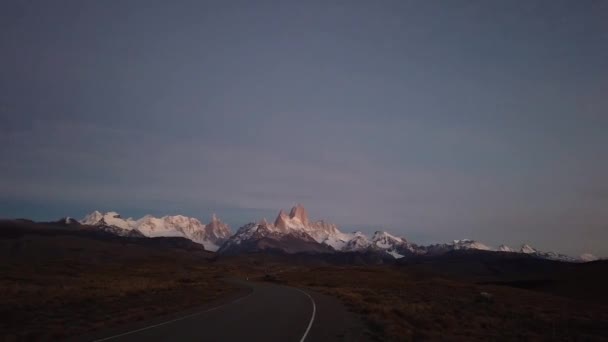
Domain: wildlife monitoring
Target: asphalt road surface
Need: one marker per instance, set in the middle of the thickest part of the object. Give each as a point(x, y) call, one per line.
point(268, 312)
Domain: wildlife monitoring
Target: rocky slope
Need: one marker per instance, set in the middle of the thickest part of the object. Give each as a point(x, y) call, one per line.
point(290, 233)
point(262, 236)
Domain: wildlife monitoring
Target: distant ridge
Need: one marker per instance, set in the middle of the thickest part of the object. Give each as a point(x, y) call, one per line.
point(211, 236)
point(295, 229)
point(290, 233)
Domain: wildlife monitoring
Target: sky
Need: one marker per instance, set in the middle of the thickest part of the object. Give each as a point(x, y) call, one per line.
point(434, 120)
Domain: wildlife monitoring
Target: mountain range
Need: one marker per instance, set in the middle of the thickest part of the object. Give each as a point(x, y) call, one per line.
point(211, 235)
point(291, 232)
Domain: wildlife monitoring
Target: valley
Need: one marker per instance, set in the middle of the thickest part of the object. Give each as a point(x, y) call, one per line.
point(66, 281)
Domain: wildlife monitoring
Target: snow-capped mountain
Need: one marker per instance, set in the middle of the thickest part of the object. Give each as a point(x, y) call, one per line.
point(469, 244)
point(67, 221)
point(211, 236)
point(557, 257)
point(111, 222)
point(586, 257)
point(397, 247)
point(320, 231)
point(527, 249)
point(291, 233)
point(318, 236)
point(294, 232)
point(255, 237)
point(358, 242)
point(505, 248)
point(383, 242)
point(110, 218)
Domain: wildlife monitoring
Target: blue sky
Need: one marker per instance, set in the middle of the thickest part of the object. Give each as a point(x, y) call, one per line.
point(435, 120)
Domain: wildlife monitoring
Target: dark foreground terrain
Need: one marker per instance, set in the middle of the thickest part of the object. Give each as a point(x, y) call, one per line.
point(269, 312)
point(461, 296)
point(60, 282)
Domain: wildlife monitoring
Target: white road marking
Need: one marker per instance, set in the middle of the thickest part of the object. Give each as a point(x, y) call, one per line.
point(177, 319)
point(312, 318)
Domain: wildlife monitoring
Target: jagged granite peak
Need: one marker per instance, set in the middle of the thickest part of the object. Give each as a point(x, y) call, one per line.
point(299, 212)
point(297, 225)
point(281, 221)
point(217, 231)
point(319, 235)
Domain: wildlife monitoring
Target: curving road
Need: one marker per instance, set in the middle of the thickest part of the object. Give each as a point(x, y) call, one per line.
point(268, 313)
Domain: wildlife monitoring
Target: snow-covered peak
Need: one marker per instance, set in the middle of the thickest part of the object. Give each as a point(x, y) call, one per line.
point(527, 249)
point(294, 229)
point(177, 225)
point(380, 234)
point(92, 218)
point(357, 243)
point(167, 226)
point(385, 240)
point(243, 234)
point(298, 222)
point(111, 218)
point(505, 248)
point(469, 244)
point(587, 257)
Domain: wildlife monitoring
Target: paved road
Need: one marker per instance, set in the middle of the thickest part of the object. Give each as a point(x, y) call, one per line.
point(268, 313)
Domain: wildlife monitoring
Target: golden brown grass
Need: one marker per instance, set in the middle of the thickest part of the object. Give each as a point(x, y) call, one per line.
point(54, 288)
point(404, 306)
